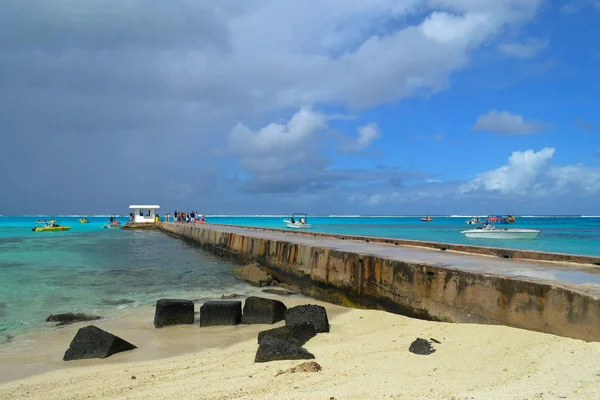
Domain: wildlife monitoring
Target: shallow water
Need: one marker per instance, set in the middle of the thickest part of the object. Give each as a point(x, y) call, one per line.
point(89, 270)
point(93, 270)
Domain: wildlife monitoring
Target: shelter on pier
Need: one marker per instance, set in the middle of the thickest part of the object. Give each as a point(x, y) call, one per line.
point(144, 213)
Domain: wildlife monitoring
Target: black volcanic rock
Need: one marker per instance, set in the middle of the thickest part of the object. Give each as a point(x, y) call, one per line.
point(258, 310)
point(119, 302)
point(272, 349)
point(317, 315)
point(173, 312)
point(297, 334)
point(93, 342)
point(70, 318)
point(422, 347)
point(213, 313)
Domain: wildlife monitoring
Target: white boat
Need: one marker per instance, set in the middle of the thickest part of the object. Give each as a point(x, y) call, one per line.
point(298, 221)
point(492, 232)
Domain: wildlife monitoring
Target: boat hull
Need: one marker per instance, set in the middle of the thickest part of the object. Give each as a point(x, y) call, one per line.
point(53, 229)
point(501, 233)
point(296, 225)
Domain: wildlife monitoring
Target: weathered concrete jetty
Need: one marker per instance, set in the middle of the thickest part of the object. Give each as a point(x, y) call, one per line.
point(552, 293)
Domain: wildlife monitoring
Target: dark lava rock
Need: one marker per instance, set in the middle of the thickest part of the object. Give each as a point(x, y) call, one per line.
point(272, 349)
point(230, 296)
point(297, 334)
point(173, 312)
point(117, 302)
point(71, 318)
point(317, 315)
point(258, 310)
point(422, 347)
point(93, 342)
point(279, 292)
point(214, 313)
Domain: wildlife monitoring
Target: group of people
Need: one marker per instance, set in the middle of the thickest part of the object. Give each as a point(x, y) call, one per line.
point(186, 218)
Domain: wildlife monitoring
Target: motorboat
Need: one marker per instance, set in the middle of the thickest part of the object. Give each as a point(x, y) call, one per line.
point(474, 221)
point(490, 229)
point(426, 219)
point(114, 223)
point(493, 232)
point(50, 227)
point(297, 221)
point(84, 220)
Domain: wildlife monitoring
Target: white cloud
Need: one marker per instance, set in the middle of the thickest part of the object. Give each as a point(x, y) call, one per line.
point(314, 51)
point(506, 123)
point(531, 173)
point(366, 135)
point(525, 49)
point(276, 146)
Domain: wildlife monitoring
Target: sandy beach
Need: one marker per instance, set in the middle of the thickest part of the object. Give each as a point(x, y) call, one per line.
point(365, 356)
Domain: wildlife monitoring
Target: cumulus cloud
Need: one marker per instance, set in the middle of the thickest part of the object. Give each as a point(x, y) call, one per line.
point(531, 173)
point(121, 76)
point(278, 147)
point(287, 157)
point(525, 49)
point(504, 122)
point(366, 135)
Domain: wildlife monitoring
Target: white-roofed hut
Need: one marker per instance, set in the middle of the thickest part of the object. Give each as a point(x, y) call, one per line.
point(144, 217)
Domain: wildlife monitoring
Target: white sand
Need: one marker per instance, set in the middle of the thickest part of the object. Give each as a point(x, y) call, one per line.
point(365, 356)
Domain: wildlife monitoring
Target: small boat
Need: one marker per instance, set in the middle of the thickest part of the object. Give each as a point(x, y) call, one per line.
point(427, 219)
point(41, 221)
point(84, 221)
point(114, 223)
point(297, 221)
point(492, 232)
point(474, 221)
point(490, 229)
point(50, 227)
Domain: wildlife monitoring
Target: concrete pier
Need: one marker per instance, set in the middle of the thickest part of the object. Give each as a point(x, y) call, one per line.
point(140, 226)
point(558, 297)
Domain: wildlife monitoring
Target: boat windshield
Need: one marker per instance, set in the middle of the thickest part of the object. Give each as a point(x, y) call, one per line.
point(299, 218)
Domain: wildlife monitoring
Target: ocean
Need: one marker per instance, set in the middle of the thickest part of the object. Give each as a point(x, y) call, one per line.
point(89, 269)
point(92, 270)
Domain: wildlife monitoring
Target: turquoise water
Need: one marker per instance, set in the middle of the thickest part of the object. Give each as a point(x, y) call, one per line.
point(88, 269)
point(574, 235)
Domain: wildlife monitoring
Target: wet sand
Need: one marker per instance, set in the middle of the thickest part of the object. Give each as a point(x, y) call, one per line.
point(365, 356)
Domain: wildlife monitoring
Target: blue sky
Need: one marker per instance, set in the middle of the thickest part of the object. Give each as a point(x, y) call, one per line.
point(326, 107)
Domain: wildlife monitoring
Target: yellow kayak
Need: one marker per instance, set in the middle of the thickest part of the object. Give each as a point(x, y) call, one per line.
point(51, 228)
point(84, 221)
